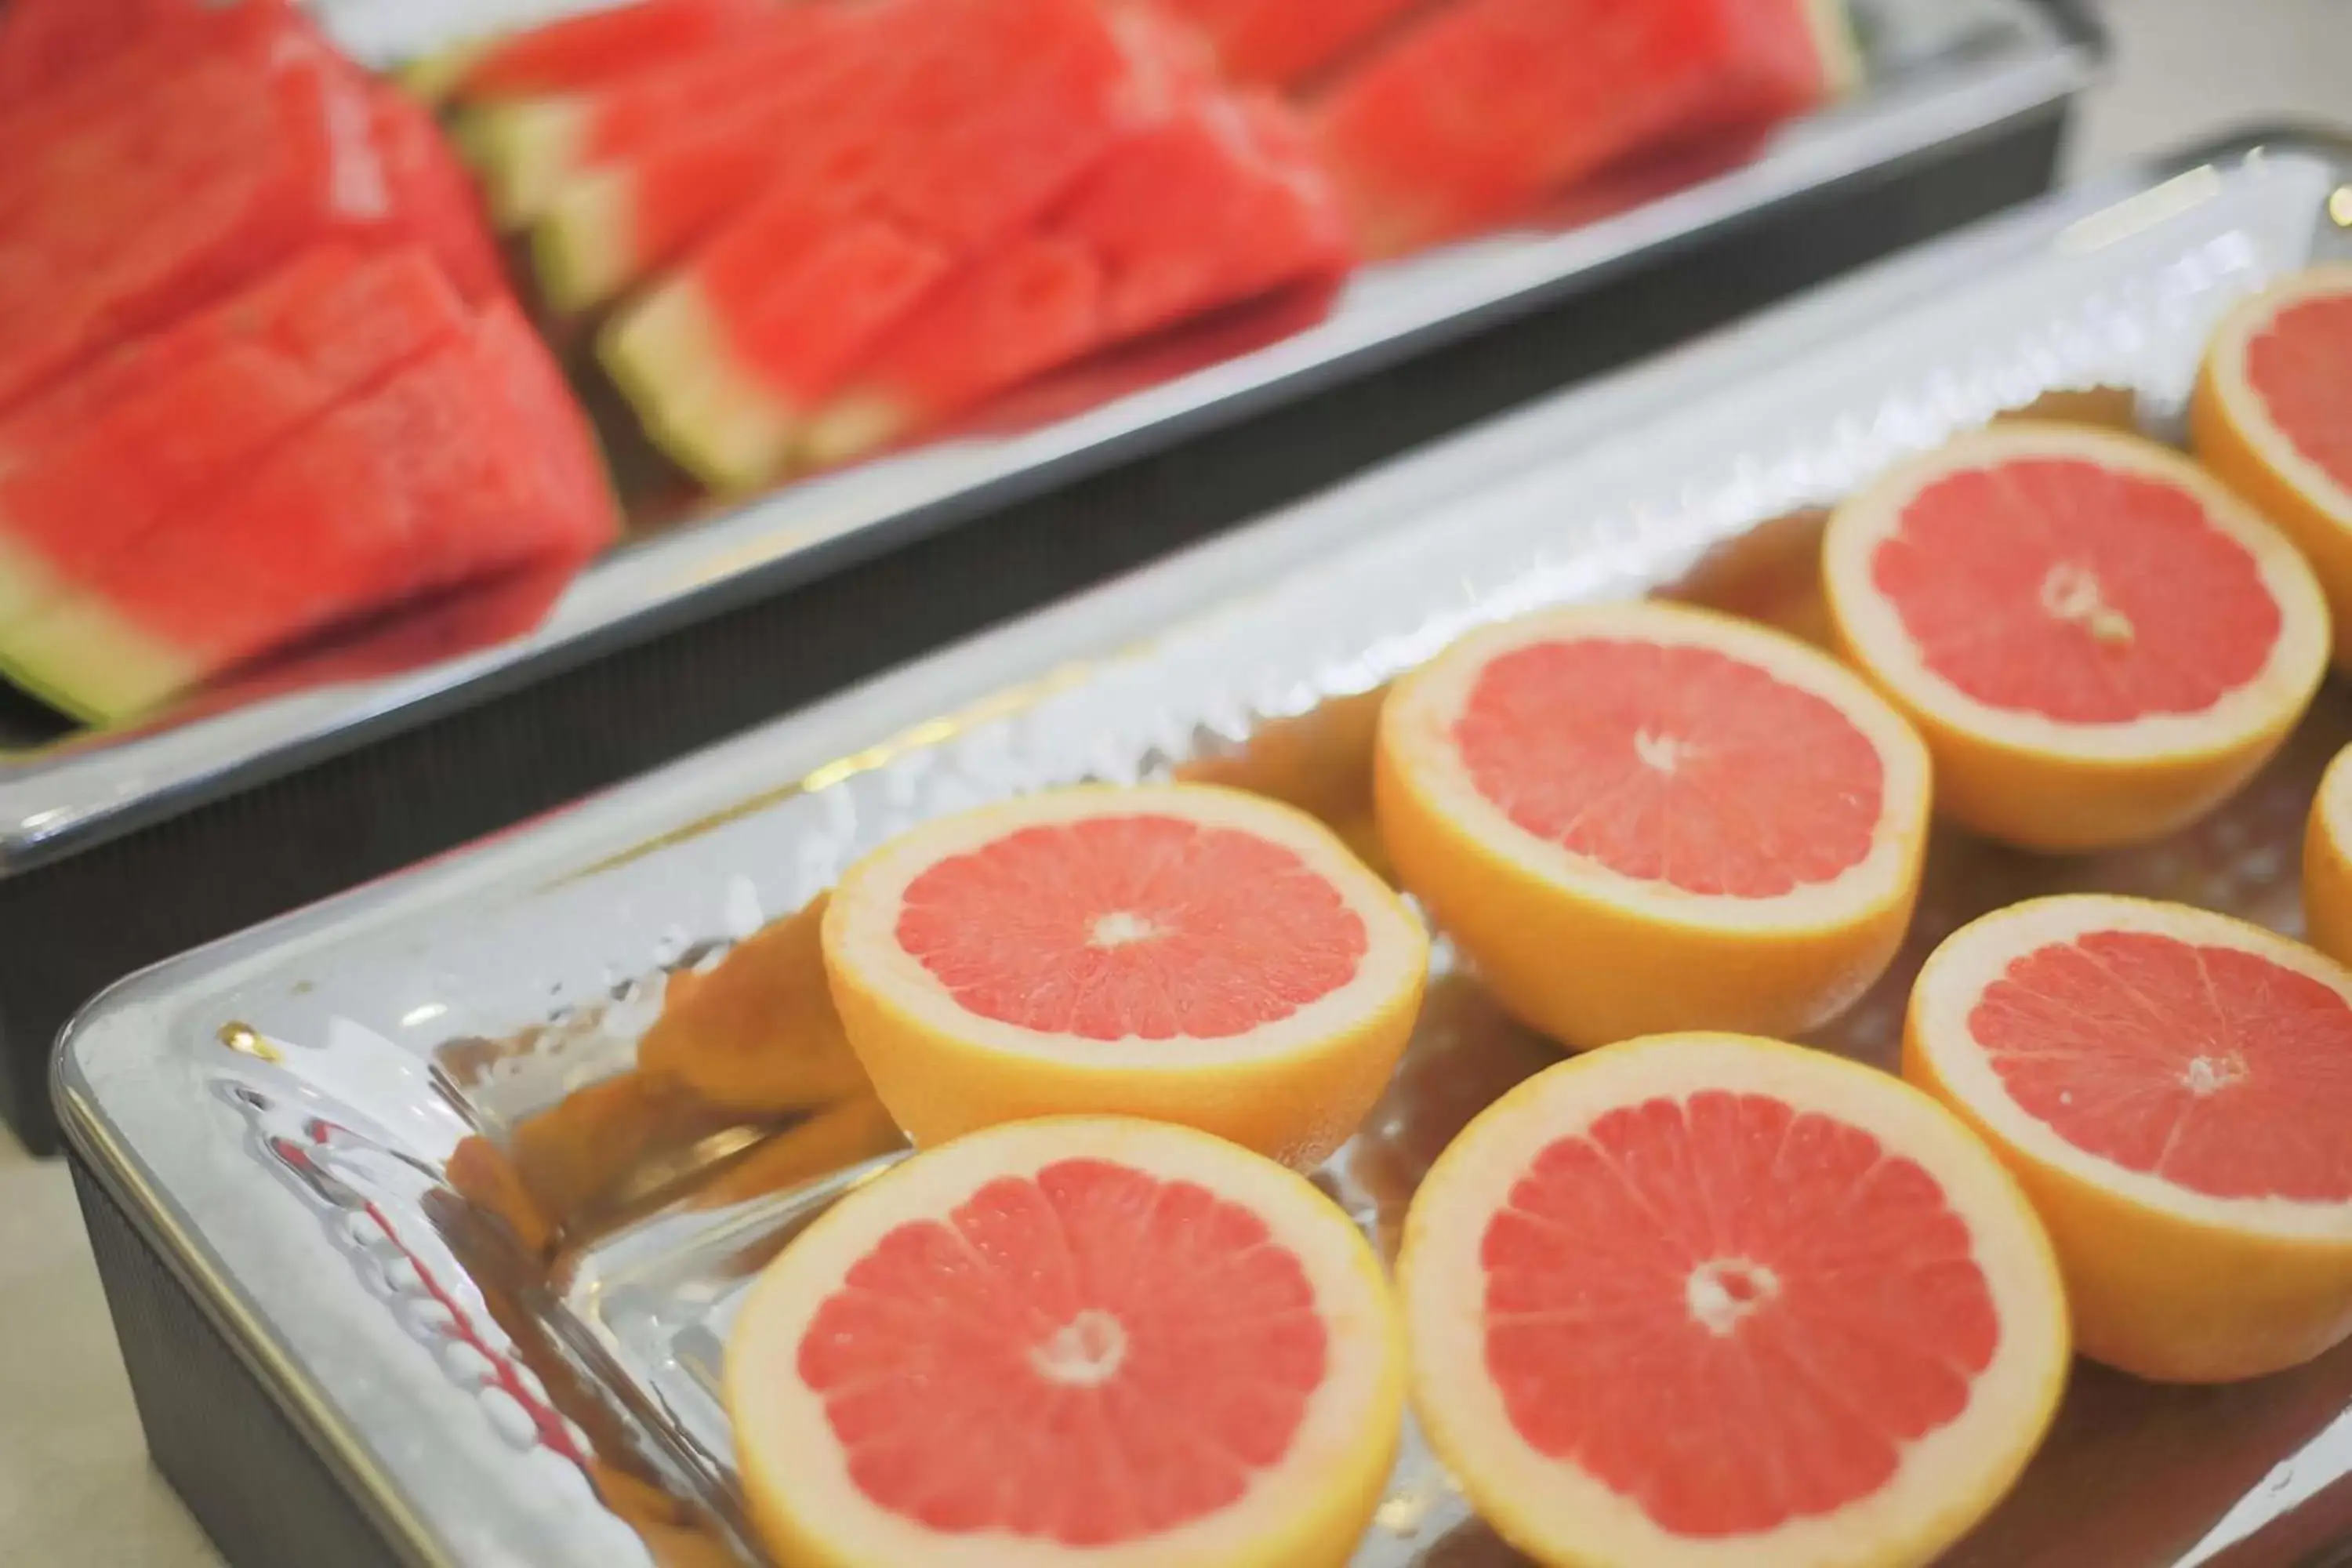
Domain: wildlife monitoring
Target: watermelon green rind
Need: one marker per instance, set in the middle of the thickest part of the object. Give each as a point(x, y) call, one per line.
point(581, 248)
point(525, 152)
point(698, 403)
point(90, 664)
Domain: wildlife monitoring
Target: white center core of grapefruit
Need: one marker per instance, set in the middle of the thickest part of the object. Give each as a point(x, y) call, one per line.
point(2208, 1075)
point(1084, 1353)
point(1662, 752)
point(2072, 594)
point(1724, 1290)
point(1120, 927)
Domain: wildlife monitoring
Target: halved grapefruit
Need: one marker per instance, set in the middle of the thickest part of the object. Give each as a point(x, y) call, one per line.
point(1642, 817)
point(2328, 862)
point(2098, 642)
point(2273, 418)
point(1087, 1341)
point(1707, 1300)
point(2174, 1089)
point(1182, 951)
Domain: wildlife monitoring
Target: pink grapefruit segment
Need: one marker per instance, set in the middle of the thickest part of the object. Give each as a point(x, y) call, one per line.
point(2269, 418)
point(2098, 642)
point(1186, 952)
point(1219, 203)
point(1640, 817)
point(1472, 114)
point(1099, 1341)
point(1706, 1300)
point(2171, 1087)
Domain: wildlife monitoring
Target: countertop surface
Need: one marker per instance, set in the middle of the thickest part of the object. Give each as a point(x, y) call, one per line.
point(74, 1485)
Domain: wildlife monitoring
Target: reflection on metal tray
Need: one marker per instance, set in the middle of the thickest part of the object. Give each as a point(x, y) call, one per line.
point(1940, 71)
point(473, 1165)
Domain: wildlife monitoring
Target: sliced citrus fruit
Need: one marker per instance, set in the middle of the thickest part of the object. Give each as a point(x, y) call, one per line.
point(1077, 1341)
point(2328, 862)
point(2273, 418)
point(2098, 642)
point(1706, 1300)
point(1179, 952)
point(2173, 1088)
point(1642, 817)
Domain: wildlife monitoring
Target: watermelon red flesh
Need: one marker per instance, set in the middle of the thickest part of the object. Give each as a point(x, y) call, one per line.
point(433, 198)
point(1280, 42)
point(605, 46)
point(1220, 203)
point(1472, 114)
point(90, 472)
point(443, 475)
point(237, 159)
point(44, 44)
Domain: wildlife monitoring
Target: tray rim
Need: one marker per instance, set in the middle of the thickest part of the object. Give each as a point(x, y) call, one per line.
point(60, 799)
point(627, 818)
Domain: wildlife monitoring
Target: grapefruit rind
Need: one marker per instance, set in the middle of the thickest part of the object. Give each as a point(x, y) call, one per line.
point(2165, 1283)
point(1306, 1512)
point(2233, 434)
point(2033, 781)
point(1560, 1515)
point(1590, 956)
point(699, 403)
point(1294, 1089)
point(2327, 863)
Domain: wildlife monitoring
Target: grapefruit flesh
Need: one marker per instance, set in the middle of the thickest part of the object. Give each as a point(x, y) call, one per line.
point(1642, 818)
point(2268, 417)
point(466, 462)
point(2171, 1087)
point(1092, 1340)
point(1220, 203)
point(2097, 641)
point(90, 469)
point(1711, 1300)
point(1002, 106)
point(1472, 114)
point(1182, 951)
point(586, 51)
point(1279, 42)
point(2328, 862)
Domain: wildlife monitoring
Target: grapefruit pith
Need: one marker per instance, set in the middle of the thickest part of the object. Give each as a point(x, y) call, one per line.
point(2273, 418)
point(2172, 1088)
point(1642, 817)
point(1707, 1300)
point(1089, 1340)
point(2098, 642)
point(2328, 862)
point(1181, 951)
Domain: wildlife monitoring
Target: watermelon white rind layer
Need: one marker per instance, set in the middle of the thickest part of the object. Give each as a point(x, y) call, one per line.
point(698, 402)
point(1832, 26)
point(525, 150)
point(86, 661)
point(26, 582)
point(853, 426)
point(431, 79)
point(583, 246)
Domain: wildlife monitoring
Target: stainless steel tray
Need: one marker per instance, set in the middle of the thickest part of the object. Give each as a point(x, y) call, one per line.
point(349, 1133)
point(1941, 70)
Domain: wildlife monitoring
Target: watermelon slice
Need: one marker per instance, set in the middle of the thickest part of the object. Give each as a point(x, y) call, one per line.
point(598, 46)
point(466, 464)
point(528, 148)
point(1281, 42)
point(1001, 105)
point(1472, 115)
point(1220, 203)
point(154, 428)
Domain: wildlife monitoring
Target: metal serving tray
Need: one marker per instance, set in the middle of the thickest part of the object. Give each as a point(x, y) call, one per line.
point(406, 1180)
point(1941, 72)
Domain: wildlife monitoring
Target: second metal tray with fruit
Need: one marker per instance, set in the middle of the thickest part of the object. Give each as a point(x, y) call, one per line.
point(470, 1174)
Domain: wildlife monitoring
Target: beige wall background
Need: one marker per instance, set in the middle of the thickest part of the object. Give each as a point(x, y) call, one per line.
point(74, 1487)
